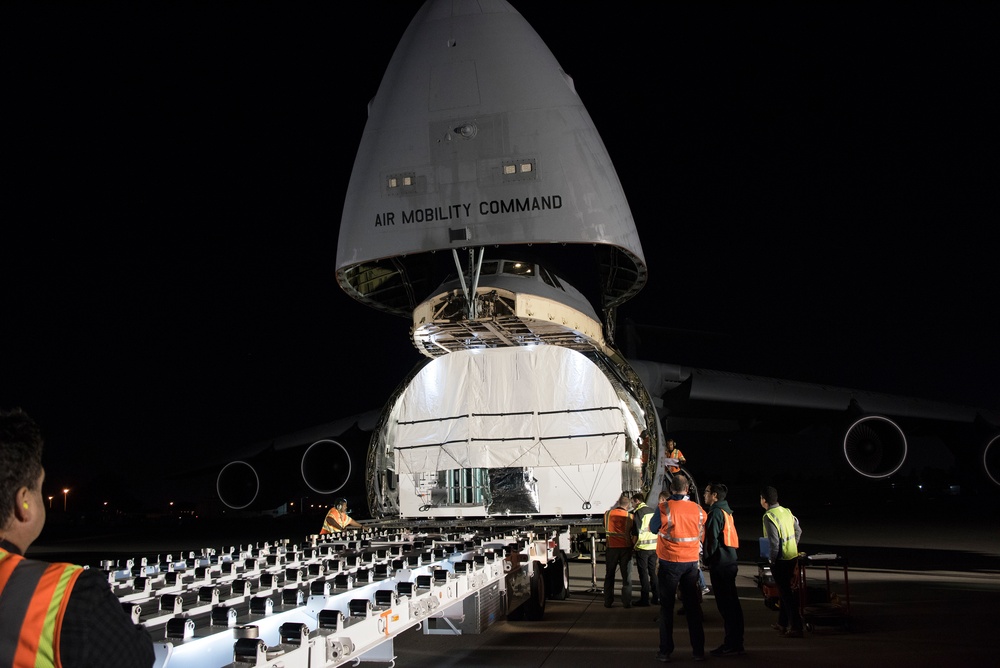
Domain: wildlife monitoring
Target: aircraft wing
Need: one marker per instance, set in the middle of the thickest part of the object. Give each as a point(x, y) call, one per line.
point(875, 433)
point(683, 390)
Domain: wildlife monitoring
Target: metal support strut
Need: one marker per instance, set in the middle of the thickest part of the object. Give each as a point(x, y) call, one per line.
point(594, 589)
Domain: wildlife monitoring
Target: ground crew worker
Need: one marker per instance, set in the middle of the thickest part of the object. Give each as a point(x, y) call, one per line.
point(51, 614)
point(675, 459)
point(783, 532)
point(337, 519)
point(721, 541)
point(680, 526)
point(619, 530)
point(645, 552)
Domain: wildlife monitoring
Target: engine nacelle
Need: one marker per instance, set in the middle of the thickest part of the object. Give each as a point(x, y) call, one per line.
point(271, 478)
point(875, 446)
point(991, 459)
point(238, 484)
point(326, 466)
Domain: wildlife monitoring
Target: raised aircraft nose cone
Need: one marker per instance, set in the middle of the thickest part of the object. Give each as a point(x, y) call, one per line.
point(476, 138)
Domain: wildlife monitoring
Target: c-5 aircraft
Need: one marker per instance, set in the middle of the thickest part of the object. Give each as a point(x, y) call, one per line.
point(484, 208)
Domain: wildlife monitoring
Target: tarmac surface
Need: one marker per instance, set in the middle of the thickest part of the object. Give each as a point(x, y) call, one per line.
point(924, 590)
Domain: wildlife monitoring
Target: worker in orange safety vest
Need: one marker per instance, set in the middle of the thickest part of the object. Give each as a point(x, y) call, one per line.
point(675, 458)
point(51, 614)
point(619, 529)
point(680, 528)
point(337, 519)
point(721, 541)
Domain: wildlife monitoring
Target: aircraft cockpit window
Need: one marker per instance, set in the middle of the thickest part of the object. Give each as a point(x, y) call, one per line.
point(489, 268)
point(518, 268)
point(549, 278)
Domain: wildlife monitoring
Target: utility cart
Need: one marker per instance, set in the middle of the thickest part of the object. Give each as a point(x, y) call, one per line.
point(823, 605)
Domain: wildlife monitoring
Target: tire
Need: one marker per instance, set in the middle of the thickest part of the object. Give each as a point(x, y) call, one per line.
point(557, 577)
point(534, 608)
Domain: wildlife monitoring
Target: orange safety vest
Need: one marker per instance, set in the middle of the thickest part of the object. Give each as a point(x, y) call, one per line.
point(675, 454)
point(33, 598)
point(618, 527)
point(335, 521)
point(682, 528)
point(729, 536)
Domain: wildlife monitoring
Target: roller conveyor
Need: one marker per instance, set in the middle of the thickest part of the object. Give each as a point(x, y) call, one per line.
point(334, 601)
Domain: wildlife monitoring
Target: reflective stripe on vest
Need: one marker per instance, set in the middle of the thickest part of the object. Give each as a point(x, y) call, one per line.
point(675, 454)
point(647, 539)
point(33, 598)
point(783, 519)
point(618, 527)
point(339, 520)
point(682, 526)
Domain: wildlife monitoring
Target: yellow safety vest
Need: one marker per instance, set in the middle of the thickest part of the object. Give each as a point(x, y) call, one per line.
point(33, 598)
point(782, 518)
point(647, 539)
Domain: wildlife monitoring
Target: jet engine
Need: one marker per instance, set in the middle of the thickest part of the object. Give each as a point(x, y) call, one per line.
point(274, 477)
point(326, 466)
point(875, 446)
point(991, 459)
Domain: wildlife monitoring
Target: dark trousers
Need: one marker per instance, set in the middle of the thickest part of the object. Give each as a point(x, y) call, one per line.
point(670, 575)
point(728, 602)
point(645, 564)
point(783, 571)
point(618, 558)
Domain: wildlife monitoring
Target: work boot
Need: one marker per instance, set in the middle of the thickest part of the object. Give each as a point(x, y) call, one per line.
point(723, 650)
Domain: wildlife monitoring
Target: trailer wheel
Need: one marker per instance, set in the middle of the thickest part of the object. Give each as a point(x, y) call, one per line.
point(557, 577)
point(534, 607)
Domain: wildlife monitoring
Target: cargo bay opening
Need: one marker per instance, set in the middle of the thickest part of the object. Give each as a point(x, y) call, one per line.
point(522, 431)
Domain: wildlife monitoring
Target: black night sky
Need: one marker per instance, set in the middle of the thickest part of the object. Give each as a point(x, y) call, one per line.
point(815, 187)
